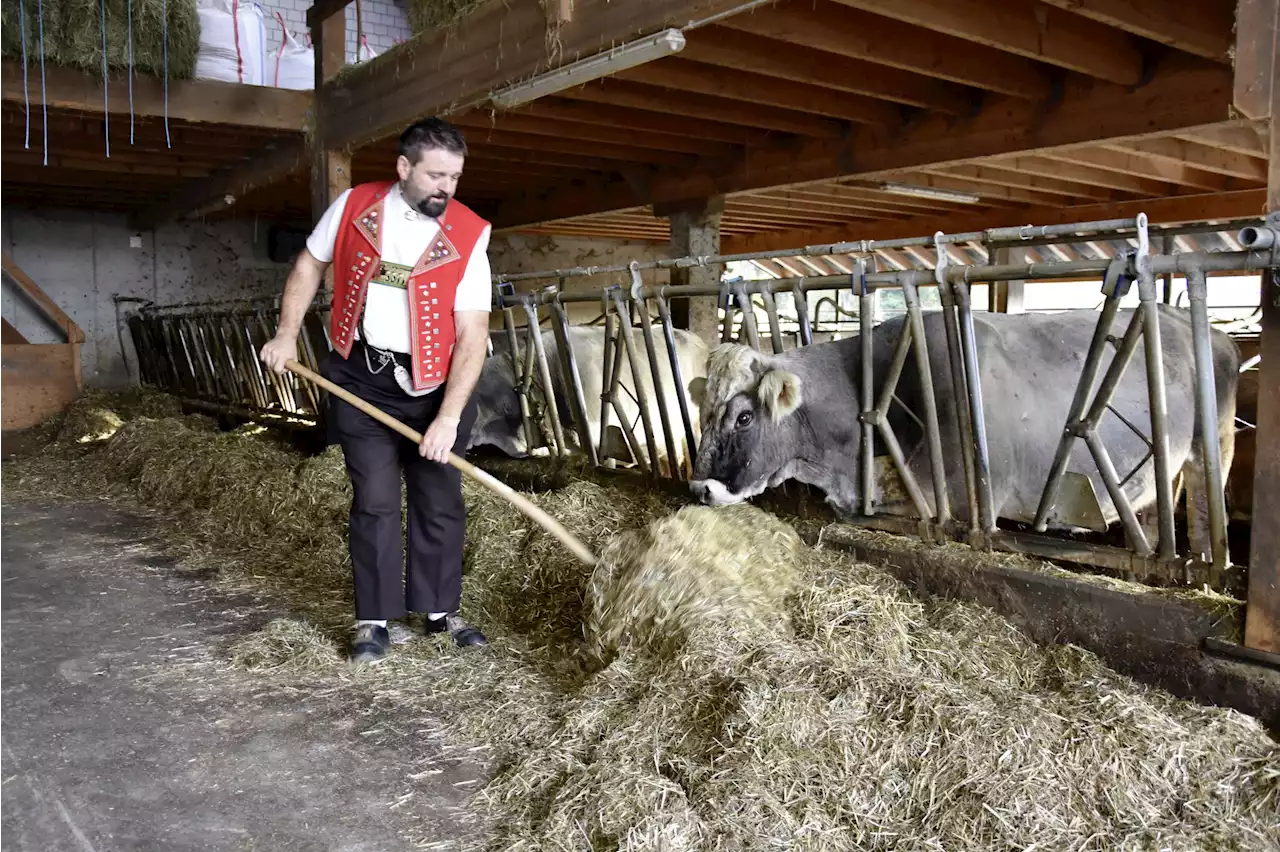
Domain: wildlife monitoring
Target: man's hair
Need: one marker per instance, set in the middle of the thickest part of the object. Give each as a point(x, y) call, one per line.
point(430, 133)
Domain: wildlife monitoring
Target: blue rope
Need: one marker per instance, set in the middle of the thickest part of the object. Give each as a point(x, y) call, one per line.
point(106, 114)
point(26, 97)
point(164, 30)
point(44, 102)
point(130, 72)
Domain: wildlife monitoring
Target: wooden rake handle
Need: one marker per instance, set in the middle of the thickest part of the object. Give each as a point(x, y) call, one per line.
point(504, 491)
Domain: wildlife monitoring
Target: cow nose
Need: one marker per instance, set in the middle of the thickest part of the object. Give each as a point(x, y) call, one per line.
point(700, 490)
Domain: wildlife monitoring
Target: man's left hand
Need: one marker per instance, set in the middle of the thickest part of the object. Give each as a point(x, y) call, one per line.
point(439, 439)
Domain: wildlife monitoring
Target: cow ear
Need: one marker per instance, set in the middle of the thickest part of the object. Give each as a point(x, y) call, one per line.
point(698, 391)
point(779, 393)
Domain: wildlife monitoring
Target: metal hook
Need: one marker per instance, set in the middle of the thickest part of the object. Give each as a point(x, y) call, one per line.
point(637, 285)
point(940, 270)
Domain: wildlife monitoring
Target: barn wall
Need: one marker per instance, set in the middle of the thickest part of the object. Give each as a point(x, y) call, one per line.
point(512, 253)
point(83, 259)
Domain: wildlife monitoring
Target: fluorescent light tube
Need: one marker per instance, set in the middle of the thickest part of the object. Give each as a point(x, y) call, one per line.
point(592, 68)
point(930, 192)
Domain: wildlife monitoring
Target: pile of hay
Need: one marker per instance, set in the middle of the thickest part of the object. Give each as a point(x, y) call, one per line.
point(713, 682)
point(430, 15)
point(73, 35)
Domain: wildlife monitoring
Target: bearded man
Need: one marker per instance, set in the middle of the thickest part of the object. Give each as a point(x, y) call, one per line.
point(409, 328)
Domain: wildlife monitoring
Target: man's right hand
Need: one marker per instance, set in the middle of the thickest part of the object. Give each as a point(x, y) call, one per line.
point(278, 350)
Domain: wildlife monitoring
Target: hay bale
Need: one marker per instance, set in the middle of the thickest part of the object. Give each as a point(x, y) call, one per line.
point(73, 35)
point(656, 586)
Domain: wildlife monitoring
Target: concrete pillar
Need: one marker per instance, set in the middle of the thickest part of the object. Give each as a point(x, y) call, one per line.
point(695, 230)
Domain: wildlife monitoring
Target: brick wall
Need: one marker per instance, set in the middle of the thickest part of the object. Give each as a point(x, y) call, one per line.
point(385, 23)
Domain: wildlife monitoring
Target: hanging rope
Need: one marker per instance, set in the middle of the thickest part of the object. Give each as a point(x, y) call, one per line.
point(130, 72)
point(44, 100)
point(164, 32)
point(106, 114)
point(26, 97)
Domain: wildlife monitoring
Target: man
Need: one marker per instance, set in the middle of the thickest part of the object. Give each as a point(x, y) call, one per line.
point(409, 327)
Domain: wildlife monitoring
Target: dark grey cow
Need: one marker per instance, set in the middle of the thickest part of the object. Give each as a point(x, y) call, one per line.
point(770, 418)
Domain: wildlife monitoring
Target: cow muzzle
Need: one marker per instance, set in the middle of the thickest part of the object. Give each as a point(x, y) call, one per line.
point(712, 492)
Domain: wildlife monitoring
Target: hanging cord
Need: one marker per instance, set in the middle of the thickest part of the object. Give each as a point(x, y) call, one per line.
point(26, 97)
point(106, 113)
point(164, 32)
point(130, 72)
point(44, 100)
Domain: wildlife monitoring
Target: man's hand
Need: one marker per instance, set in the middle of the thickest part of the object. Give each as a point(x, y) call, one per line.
point(439, 439)
point(278, 350)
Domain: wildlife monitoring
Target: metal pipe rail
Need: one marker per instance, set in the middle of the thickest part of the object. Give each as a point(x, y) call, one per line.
point(212, 355)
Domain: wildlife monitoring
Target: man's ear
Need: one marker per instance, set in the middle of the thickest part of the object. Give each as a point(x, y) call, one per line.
point(779, 393)
point(698, 390)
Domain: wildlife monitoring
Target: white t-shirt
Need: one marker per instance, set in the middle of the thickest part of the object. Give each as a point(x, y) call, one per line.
point(406, 234)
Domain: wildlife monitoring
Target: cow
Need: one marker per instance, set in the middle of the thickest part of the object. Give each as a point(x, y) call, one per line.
point(498, 417)
point(767, 419)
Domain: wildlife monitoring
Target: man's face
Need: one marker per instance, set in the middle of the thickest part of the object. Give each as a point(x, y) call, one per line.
point(432, 181)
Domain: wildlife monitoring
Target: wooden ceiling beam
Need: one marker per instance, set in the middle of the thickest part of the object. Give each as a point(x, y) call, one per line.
point(742, 51)
point(1127, 163)
point(1199, 27)
point(1024, 28)
point(990, 192)
point(1244, 139)
point(829, 26)
point(193, 101)
point(699, 78)
point(995, 174)
point(582, 131)
point(608, 115)
point(619, 93)
point(1049, 167)
point(1180, 98)
point(1175, 210)
point(1179, 151)
point(568, 145)
point(498, 44)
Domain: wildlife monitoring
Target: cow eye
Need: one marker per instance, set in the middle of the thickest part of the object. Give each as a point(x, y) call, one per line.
point(744, 419)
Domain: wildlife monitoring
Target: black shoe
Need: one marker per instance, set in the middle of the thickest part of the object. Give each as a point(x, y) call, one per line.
point(370, 644)
point(463, 634)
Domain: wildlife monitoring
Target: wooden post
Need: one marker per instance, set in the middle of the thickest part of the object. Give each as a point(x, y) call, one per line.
point(1008, 297)
point(1262, 609)
point(695, 231)
point(330, 170)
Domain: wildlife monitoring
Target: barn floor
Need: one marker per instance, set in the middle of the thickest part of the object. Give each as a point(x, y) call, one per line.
point(107, 746)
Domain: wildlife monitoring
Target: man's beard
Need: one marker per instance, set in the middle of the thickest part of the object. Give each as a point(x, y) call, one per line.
point(432, 205)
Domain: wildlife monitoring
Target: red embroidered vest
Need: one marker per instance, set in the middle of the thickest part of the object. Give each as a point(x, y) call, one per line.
point(431, 287)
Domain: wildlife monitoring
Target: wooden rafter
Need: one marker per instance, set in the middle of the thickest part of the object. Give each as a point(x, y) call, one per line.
point(1200, 27)
point(1024, 28)
point(1178, 99)
point(826, 25)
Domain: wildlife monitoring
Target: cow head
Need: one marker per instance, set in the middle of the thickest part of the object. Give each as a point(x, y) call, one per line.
point(498, 420)
point(750, 425)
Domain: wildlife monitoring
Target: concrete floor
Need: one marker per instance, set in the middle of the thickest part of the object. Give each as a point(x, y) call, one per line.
point(104, 748)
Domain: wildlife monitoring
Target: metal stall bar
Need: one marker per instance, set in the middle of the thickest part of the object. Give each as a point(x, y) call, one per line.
point(866, 319)
point(626, 332)
point(677, 373)
point(959, 379)
point(973, 406)
point(569, 365)
point(748, 314)
point(775, 328)
point(1159, 404)
point(879, 417)
point(534, 330)
point(1207, 395)
point(933, 432)
point(659, 396)
point(1114, 288)
point(802, 313)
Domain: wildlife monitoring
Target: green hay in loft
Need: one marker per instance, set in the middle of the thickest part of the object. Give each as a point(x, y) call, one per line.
point(73, 35)
point(429, 15)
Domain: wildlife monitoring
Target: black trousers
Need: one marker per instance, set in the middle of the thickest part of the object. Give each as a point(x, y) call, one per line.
point(386, 583)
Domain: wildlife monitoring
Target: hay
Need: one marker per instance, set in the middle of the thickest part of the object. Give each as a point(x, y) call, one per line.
point(430, 15)
point(73, 35)
point(659, 703)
